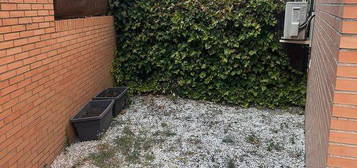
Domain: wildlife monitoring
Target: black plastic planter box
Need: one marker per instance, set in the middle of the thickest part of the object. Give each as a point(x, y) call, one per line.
point(93, 119)
point(118, 94)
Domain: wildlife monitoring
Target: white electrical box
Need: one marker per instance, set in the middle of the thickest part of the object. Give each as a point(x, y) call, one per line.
point(295, 17)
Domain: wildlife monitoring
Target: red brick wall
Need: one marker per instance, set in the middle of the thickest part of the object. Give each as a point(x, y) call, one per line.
point(48, 70)
point(321, 82)
point(342, 150)
point(331, 110)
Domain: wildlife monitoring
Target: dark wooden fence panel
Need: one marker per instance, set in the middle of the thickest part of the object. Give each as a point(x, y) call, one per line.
point(66, 9)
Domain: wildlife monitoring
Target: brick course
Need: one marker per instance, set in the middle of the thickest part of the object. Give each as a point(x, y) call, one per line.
point(48, 70)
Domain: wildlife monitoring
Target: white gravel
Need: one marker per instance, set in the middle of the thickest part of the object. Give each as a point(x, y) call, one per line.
point(185, 133)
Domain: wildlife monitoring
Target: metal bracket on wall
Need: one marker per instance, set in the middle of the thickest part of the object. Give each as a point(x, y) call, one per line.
point(305, 42)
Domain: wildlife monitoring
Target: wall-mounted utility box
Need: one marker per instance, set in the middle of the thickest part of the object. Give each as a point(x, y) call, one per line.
point(295, 16)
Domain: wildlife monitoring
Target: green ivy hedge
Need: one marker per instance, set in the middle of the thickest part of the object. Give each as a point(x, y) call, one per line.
point(218, 50)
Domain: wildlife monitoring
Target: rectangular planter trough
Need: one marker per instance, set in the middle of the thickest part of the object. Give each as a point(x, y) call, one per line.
point(118, 94)
point(93, 119)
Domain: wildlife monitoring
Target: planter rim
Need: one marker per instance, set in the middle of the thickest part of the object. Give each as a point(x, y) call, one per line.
point(120, 95)
point(106, 110)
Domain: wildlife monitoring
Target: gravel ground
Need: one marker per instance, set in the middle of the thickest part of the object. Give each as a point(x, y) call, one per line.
point(167, 132)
